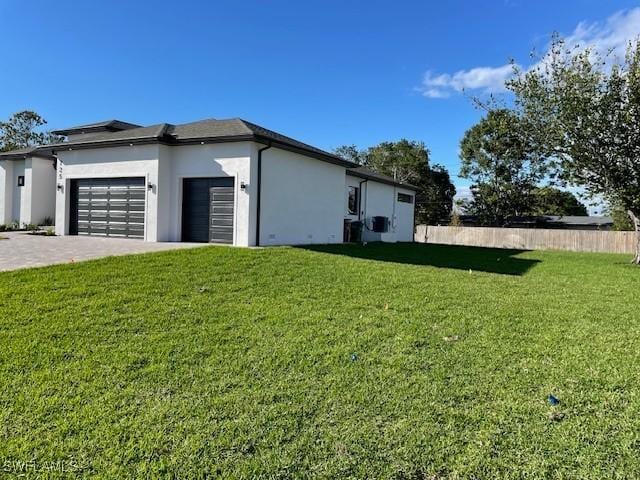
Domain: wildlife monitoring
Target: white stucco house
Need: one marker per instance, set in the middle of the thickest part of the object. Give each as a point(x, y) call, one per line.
point(27, 186)
point(220, 181)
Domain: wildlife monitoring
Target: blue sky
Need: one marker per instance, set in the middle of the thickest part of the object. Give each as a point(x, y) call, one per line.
point(325, 72)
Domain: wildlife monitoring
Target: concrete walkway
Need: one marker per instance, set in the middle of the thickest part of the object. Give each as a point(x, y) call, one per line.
point(21, 250)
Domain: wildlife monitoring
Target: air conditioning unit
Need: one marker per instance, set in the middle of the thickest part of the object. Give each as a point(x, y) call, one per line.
point(380, 224)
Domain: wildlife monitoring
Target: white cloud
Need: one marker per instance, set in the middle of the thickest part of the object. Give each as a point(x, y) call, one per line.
point(611, 36)
point(485, 79)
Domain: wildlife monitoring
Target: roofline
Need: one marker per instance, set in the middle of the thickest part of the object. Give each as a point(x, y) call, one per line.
point(99, 127)
point(36, 152)
point(309, 152)
point(170, 141)
point(373, 178)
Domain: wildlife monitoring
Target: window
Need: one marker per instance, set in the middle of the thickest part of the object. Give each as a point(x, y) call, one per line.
point(404, 198)
point(21, 181)
point(353, 204)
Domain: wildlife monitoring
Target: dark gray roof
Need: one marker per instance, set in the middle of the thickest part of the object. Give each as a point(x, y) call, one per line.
point(578, 219)
point(557, 220)
point(106, 126)
point(368, 174)
point(20, 153)
point(131, 134)
point(208, 131)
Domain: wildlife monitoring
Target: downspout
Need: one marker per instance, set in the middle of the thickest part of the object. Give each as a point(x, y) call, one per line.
point(259, 192)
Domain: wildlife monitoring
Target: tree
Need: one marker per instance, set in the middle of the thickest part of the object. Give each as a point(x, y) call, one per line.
point(351, 153)
point(408, 162)
point(434, 201)
point(498, 157)
point(21, 130)
point(553, 201)
point(621, 220)
point(583, 113)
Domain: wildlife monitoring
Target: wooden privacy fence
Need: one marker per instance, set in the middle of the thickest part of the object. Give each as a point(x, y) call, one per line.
point(529, 238)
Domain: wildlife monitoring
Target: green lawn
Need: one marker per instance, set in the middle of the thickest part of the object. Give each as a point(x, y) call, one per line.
point(384, 361)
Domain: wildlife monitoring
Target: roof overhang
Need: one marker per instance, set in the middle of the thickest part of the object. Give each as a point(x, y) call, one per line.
point(24, 155)
point(171, 141)
point(108, 126)
point(374, 178)
point(334, 159)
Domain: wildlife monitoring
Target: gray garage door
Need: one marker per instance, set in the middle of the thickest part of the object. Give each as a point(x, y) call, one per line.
point(207, 210)
point(109, 207)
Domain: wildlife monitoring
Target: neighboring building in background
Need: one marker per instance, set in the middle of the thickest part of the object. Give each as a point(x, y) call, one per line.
point(27, 187)
point(220, 181)
point(550, 221)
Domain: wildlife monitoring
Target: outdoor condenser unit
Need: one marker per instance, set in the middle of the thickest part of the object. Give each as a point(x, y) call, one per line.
point(380, 224)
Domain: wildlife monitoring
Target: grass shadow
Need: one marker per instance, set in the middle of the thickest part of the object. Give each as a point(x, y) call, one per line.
point(491, 260)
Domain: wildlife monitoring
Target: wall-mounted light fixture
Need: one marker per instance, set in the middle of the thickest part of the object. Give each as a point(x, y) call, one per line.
point(59, 187)
point(149, 186)
point(243, 186)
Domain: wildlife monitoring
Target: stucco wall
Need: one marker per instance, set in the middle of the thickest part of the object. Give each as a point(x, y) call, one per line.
point(6, 191)
point(209, 160)
point(302, 200)
point(134, 161)
point(405, 227)
point(164, 168)
point(380, 199)
point(21, 208)
point(43, 190)
point(34, 201)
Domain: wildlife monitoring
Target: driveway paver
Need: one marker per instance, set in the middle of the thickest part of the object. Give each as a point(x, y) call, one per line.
point(21, 250)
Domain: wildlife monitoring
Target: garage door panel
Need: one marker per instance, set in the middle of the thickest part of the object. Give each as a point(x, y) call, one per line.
point(221, 221)
point(109, 207)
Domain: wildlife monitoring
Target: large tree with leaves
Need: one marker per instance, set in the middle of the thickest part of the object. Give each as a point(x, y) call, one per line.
point(23, 129)
point(408, 162)
point(503, 166)
point(553, 201)
point(582, 111)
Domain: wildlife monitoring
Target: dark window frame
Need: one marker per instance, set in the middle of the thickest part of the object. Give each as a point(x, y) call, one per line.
point(405, 198)
point(21, 180)
point(353, 200)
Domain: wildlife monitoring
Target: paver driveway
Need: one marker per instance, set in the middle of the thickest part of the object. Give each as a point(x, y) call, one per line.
point(21, 250)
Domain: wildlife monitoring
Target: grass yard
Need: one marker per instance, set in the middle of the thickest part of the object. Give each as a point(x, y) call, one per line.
point(385, 361)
